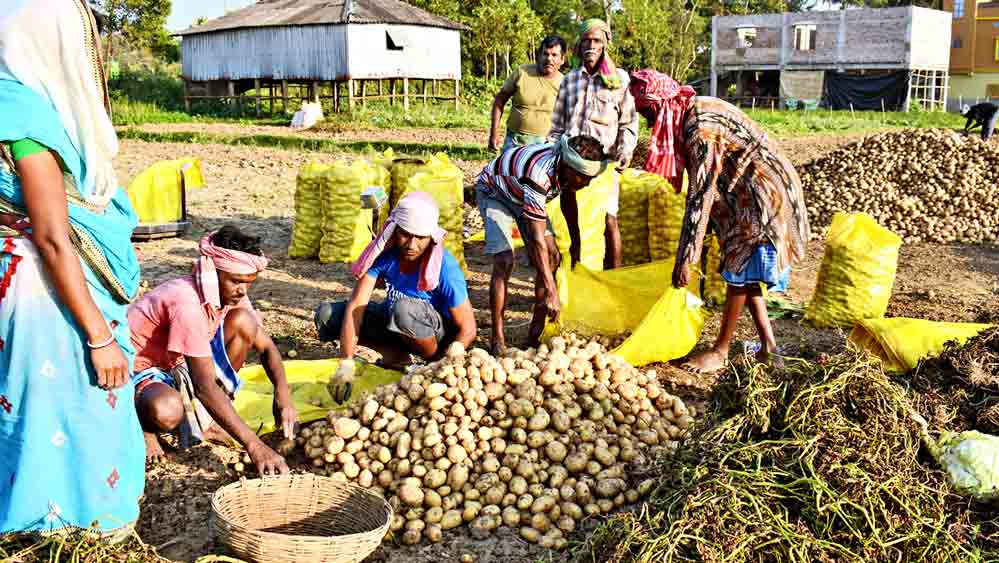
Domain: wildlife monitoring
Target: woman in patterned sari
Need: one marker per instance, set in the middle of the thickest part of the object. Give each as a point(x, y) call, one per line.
point(740, 185)
point(72, 449)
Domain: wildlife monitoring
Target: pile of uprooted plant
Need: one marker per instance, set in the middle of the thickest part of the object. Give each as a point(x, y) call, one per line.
point(820, 462)
point(77, 546)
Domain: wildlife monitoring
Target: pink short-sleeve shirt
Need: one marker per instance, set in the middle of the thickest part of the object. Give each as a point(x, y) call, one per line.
point(170, 322)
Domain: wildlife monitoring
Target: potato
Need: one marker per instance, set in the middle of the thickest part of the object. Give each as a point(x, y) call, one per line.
point(411, 495)
point(511, 517)
point(576, 462)
point(412, 537)
point(398, 522)
point(556, 451)
point(471, 511)
point(451, 519)
point(530, 534)
point(540, 522)
point(433, 533)
point(483, 526)
point(525, 501)
point(346, 428)
point(543, 504)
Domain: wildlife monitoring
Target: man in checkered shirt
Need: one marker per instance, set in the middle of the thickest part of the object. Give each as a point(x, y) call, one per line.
point(594, 100)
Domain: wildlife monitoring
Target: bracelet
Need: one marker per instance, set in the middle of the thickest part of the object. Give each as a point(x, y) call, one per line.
point(100, 345)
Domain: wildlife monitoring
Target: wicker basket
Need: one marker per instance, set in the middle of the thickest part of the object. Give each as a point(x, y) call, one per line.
point(299, 519)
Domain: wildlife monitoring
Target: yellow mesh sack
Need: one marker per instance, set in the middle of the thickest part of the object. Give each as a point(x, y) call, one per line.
point(307, 234)
point(857, 272)
point(637, 188)
point(307, 381)
point(666, 208)
point(405, 168)
point(445, 183)
point(155, 192)
point(714, 286)
point(665, 323)
point(383, 162)
point(902, 343)
point(346, 227)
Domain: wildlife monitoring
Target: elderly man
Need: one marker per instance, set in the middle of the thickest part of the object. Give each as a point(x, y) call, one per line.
point(594, 100)
point(533, 89)
point(513, 191)
point(191, 336)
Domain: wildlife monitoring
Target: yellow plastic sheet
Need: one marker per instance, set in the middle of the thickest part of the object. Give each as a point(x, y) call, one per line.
point(665, 323)
point(307, 380)
point(857, 272)
point(901, 343)
point(155, 192)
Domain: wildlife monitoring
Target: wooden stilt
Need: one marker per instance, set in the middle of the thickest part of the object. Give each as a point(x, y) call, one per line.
point(364, 102)
point(456, 92)
point(350, 94)
point(424, 92)
point(284, 95)
point(405, 94)
point(256, 90)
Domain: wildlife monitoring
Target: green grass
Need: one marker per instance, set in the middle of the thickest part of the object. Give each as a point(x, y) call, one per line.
point(797, 123)
point(464, 152)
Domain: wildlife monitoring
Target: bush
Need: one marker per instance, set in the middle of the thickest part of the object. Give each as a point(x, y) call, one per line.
point(156, 84)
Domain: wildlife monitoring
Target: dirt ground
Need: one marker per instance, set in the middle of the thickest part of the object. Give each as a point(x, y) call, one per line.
point(254, 188)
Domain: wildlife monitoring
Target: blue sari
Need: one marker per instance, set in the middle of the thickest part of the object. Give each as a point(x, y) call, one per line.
point(71, 454)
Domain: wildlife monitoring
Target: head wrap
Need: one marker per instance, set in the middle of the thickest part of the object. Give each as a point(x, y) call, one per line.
point(669, 102)
point(606, 68)
point(216, 259)
point(568, 155)
point(53, 48)
point(416, 213)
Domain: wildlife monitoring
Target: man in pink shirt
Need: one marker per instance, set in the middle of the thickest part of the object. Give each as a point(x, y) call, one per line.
point(191, 336)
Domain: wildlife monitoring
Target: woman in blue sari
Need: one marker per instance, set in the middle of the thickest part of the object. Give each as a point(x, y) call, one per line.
point(71, 449)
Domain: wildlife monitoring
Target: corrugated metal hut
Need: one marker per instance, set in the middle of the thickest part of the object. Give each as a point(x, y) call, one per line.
point(323, 49)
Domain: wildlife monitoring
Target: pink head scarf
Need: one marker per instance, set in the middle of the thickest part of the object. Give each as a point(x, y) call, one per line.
point(215, 259)
point(669, 100)
point(418, 214)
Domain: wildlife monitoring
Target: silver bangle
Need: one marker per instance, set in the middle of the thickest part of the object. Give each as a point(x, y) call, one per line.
point(104, 344)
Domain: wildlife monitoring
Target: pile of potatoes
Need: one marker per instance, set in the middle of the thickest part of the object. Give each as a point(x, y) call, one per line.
point(537, 441)
point(926, 185)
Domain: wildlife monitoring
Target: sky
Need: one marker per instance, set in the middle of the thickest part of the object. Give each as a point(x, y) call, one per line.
point(186, 11)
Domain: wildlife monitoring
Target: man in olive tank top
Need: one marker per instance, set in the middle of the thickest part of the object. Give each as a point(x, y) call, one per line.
point(533, 89)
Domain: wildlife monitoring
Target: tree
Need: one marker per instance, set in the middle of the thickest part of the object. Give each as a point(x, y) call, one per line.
point(139, 22)
point(666, 35)
point(507, 27)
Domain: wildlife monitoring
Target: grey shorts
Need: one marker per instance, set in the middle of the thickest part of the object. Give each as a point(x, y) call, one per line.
point(384, 324)
point(499, 219)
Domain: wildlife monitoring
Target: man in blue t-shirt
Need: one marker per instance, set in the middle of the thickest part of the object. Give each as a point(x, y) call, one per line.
point(426, 308)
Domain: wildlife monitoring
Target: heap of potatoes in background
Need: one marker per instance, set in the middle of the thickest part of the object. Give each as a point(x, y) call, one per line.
point(926, 185)
point(535, 441)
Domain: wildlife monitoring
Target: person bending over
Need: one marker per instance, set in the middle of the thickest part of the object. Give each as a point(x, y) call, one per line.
point(982, 115)
point(512, 191)
point(741, 185)
point(191, 336)
point(426, 307)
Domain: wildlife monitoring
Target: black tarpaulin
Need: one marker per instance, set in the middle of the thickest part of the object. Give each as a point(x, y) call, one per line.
point(866, 92)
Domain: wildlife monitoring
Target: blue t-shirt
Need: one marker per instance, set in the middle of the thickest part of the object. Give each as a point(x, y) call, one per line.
point(450, 292)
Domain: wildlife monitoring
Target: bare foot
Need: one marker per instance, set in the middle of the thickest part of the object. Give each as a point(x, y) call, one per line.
point(709, 361)
point(216, 434)
point(154, 450)
point(771, 358)
point(497, 349)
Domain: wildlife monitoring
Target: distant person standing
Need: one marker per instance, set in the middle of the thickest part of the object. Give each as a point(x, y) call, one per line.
point(982, 115)
point(594, 100)
point(533, 89)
